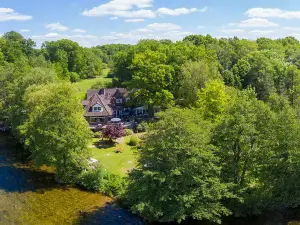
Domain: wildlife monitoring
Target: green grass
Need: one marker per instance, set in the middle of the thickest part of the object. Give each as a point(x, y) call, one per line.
point(117, 163)
point(84, 85)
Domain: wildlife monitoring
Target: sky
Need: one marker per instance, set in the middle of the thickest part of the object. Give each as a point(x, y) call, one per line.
point(97, 22)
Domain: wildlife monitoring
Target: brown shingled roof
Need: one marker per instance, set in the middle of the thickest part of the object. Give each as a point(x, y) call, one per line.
point(97, 99)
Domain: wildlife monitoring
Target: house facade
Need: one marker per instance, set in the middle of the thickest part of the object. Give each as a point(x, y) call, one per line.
point(101, 105)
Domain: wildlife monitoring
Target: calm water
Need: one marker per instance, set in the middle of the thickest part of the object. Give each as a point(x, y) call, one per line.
point(31, 197)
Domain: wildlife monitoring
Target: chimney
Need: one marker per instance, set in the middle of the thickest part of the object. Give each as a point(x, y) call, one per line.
point(102, 91)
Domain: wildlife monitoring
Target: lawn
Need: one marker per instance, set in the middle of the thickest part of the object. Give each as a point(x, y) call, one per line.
point(84, 85)
point(118, 163)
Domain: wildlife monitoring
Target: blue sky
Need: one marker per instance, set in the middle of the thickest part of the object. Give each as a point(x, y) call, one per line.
point(94, 22)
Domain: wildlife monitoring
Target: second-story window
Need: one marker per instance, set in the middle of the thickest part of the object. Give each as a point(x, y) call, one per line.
point(97, 108)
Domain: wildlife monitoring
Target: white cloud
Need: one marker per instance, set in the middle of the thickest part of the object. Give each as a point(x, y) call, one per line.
point(79, 30)
point(7, 14)
point(203, 9)
point(257, 22)
point(262, 32)
point(56, 27)
point(163, 26)
point(152, 31)
point(292, 28)
point(51, 35)
point(174, 35)
point(135, 9)
point(24, 30)
point(272, 13)
point(114, 18)
point(6, 10)
point(176, 12)
point(134, 20)
point(137, 14)
point(123, 8)
point(234, 31)
point(143, 30)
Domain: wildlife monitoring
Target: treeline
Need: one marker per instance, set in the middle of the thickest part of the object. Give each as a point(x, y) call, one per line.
point(165, 73)
point(68, 59)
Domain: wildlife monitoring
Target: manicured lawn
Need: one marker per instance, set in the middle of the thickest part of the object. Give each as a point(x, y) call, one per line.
point(118, 163)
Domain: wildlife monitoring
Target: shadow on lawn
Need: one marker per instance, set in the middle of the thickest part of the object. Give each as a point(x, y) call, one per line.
point(105, 144)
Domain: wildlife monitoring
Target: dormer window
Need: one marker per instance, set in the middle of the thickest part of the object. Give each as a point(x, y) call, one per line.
point(97, 108)
point(119, 100)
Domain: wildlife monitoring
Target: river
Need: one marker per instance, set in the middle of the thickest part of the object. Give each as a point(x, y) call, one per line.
point(30, 196)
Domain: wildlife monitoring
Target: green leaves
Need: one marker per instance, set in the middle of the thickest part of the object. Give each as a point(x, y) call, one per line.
point(178, 175)
point(56, 132)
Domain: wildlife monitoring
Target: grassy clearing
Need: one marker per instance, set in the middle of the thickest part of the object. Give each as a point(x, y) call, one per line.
point(118, 163)
point(86, 84)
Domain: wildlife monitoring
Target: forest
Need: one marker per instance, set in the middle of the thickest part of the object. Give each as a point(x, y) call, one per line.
point(225, 143)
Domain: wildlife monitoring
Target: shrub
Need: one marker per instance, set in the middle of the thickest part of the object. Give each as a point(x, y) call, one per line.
point(98, 134)
point(143, 137)
point(133, 140)
point(93, 179)
point(74, 77)
point(128, 132)
point(113, 131)
point(141, 127)
point(115, 185)
point(102, 181)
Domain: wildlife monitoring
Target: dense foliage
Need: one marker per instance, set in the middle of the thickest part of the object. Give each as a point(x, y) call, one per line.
point(226, 141)
point(113, 131)
point(178, 174)
point(102, 181)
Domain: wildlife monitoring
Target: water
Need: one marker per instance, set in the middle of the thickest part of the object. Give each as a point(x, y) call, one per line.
point(31, 196)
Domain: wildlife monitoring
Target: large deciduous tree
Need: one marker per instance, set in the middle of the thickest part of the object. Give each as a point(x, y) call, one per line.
point(194, 76)
point(178, 175)
point(152, 79)
point(56, 132)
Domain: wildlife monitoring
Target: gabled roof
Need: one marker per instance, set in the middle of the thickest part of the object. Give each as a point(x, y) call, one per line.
point(97, 99)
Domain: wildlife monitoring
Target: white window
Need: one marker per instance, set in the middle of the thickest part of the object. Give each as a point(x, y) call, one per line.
point(119, 100)
point(97, 108)
point(139, 111)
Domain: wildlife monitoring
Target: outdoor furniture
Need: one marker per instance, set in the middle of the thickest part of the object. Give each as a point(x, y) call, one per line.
point(115, 120)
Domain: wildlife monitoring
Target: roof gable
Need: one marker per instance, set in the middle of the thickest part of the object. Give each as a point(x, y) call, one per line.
point(97, 99)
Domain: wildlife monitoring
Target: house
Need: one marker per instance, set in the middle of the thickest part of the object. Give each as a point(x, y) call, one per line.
point(101, 105)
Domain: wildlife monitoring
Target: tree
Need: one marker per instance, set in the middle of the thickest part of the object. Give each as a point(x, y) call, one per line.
point(56, 132)
point(238, 136)
point(213, 99)
point(243, 137)
point(194, 76)
point(177, 175)
point(152, 79)
point(265, 71)
point(16, 46)
point(17, 110)
point(113, 131)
